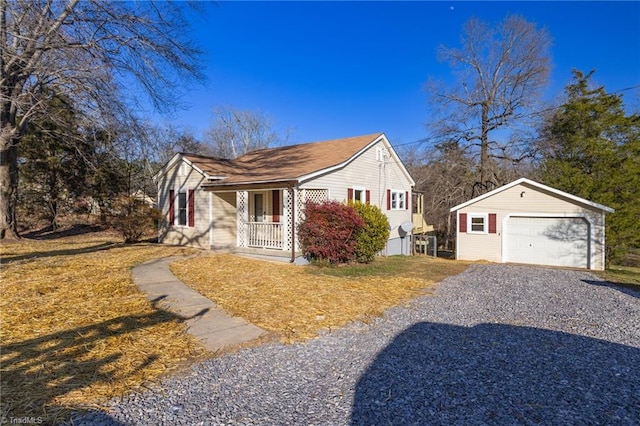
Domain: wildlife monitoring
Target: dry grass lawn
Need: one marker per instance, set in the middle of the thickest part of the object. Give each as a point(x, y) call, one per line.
point(296, 302)
point(74, 328)
point(76, 331)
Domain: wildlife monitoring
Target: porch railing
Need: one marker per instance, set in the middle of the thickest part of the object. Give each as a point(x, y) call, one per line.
point(265, 235)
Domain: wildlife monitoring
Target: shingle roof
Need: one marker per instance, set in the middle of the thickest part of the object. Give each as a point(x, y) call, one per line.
point(282, 164)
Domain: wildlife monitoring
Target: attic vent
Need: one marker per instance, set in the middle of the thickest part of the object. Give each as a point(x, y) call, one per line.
point(182, 169)
point(380, 153)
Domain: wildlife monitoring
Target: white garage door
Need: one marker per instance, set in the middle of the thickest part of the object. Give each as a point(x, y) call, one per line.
point(547, 241)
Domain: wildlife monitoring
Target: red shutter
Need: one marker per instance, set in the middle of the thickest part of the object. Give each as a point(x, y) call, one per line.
point(388, 199)
point(492, 223)
point(462, 226)
point(406, 200)
point(192, 207)
point(276, 205)
point(349, 195)
point(367, 195)
point(172, 207)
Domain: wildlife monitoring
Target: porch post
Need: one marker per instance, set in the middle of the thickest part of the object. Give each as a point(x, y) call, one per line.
point(300, 200)
point(242, 214)
point(286, 219)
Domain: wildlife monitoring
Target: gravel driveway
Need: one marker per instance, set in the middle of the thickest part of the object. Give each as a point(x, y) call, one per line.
point(497, 344)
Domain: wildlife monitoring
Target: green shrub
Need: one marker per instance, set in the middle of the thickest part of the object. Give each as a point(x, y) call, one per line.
point(374, 235)
point(328, 232)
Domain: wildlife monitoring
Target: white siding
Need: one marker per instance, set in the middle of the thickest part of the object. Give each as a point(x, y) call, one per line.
point(224, 220)
point(366, 172)
point(198, 235)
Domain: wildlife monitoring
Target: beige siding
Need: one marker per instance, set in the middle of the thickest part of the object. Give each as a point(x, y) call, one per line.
point(526, 200)
point(366, 172)
point(224, 220)
point(198, 235)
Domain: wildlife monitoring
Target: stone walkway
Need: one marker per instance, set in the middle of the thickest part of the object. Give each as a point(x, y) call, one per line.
point(205, 320)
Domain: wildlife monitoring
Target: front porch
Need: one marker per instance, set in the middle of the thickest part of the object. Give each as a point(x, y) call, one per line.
point(259, 220)
point(265, 235)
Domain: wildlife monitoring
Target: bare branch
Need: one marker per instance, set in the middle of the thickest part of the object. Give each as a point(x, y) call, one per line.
point(500, 73)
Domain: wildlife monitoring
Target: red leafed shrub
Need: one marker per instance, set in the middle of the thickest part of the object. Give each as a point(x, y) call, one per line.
point(329, 232)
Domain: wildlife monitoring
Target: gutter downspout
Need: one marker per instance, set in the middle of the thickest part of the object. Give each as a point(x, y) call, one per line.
point(293, 224)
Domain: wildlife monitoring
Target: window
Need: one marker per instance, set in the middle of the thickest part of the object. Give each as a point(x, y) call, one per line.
point(398, 200)
point(477, 223)
point(359, 194)
point(258, 207)
point(186, 208)
point(182, 209)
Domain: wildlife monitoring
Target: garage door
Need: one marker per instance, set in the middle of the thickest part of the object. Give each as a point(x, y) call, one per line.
point(547, 241)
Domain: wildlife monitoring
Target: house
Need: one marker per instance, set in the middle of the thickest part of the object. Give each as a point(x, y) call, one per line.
point(255, 202)
point(528, 222)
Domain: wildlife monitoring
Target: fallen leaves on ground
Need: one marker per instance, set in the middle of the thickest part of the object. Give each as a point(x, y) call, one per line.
point(75, 328)
point(295, 303)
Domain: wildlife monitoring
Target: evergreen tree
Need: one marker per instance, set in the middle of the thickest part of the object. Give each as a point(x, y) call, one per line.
point(47, 164)
point(591, 148)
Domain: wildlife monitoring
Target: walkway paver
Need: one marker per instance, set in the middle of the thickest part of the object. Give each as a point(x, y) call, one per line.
point(205, 320)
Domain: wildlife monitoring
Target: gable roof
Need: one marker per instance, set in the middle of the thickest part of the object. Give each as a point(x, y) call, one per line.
point(537, 185)
point(282, 164)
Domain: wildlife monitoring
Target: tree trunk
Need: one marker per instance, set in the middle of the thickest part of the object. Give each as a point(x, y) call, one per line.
point(484, 147)
point(8, 184)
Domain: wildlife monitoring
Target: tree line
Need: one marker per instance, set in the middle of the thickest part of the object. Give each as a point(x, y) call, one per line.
point(588, 146)
point(89, 173)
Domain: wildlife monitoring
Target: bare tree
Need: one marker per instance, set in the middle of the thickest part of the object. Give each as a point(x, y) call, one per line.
point(445, 177)
point(90, 52)
point(500, 73)
point(235, 132)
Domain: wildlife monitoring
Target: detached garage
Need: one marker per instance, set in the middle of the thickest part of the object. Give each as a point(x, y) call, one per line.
point(527, 222)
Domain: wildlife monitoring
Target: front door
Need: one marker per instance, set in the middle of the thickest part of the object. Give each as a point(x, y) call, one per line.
point(258, 207)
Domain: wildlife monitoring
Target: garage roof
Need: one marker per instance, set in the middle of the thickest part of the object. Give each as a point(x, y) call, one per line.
point(530, 182)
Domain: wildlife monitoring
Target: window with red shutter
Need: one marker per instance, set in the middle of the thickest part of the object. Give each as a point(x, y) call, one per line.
point(492, 223)
point(192, 208)
point(172, 207)
point(462, 225)
point(349, 194)
point(368, 196)
point(388, 199)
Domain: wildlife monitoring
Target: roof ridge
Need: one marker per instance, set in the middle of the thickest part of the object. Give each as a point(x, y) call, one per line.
point(274, 148)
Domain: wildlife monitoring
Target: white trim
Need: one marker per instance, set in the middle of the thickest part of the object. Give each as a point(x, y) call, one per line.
point(457, 232)
point(363, 191)
point(485, 223)
point(172, 162)
point(592, 230)
point(177, 208)
point(604, 242)
point(539, 186)
point(210, 219)
point(403, 194)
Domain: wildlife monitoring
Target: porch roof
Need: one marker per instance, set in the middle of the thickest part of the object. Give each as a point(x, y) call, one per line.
point(280, 165)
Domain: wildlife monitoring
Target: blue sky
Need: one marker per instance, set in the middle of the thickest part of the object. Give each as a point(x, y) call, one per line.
point(336, 69)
